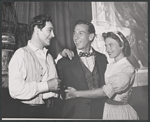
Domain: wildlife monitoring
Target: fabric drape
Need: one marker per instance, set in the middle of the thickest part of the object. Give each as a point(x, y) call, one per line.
point(27, 10)
point(131, 18)
point(134, 16)
point(64, 16)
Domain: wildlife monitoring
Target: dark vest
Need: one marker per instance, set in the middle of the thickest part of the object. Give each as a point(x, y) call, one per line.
point(92, 78)
point(93, 82)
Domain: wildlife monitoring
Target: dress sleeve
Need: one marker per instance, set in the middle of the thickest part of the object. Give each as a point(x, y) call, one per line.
point(119, 82)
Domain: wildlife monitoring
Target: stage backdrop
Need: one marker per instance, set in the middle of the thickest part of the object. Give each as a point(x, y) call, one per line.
point(131, 18)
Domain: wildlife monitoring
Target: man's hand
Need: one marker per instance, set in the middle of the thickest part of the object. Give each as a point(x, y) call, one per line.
point(54, 84)
point(67, 52)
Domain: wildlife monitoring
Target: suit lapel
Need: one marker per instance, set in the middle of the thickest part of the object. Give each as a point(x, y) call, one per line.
point(99, 64)
point(76, 68)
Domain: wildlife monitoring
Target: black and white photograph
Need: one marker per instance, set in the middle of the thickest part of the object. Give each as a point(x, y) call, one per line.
point(74, 60)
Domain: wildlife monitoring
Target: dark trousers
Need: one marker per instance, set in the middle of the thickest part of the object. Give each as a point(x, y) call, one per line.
point(51, 109)
point(40, 111)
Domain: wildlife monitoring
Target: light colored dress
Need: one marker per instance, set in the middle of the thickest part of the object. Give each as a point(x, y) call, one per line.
point(119, 78)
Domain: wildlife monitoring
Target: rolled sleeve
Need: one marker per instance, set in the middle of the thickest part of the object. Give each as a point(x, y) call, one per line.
point(42, 87)
point(119, 82)
point(108, 89)
point(18, 88)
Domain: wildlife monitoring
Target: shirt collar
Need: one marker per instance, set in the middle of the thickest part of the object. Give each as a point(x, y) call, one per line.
point(35, 48)
point(121, 61)
point(91, 50)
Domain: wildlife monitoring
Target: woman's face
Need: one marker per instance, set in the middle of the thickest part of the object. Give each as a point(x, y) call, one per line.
point(113, 48)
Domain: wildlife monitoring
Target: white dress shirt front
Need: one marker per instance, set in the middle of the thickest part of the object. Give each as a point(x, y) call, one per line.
point(88, 61)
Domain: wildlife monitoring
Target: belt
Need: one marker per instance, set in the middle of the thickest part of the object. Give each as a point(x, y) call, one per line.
point(32, 105)
point(113, 102)
point(50, 102)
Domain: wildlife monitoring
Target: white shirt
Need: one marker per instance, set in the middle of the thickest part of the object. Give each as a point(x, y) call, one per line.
point(17, 74)
point(88, 61)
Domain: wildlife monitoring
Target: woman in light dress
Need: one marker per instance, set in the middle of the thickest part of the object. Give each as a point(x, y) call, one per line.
point(119, 78)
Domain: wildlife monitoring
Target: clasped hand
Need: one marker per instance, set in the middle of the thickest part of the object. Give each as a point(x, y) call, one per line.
point(54, 84)
point(127, 98)
point(70, 93)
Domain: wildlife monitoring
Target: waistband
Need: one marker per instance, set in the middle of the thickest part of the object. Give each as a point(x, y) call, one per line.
point(32, 105)
point(51, 102)
point(113, 102)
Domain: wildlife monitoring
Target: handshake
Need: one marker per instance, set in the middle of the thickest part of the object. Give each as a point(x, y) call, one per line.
point(54, 84)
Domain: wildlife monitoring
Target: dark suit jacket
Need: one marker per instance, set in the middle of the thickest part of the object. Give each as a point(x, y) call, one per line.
point(71, 74)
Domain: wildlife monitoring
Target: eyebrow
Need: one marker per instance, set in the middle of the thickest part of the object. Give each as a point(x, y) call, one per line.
point(109, 43)
point(81, 31)
point(51, 28)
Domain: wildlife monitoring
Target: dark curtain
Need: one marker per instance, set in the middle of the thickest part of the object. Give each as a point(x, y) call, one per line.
point(64, 15)
point(27, 10)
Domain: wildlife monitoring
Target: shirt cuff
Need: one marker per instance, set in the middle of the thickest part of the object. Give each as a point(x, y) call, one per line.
point(49, 95)
point(42, 87)
point(58, 58)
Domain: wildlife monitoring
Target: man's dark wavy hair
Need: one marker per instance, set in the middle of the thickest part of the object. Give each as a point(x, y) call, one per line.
point(39, 21)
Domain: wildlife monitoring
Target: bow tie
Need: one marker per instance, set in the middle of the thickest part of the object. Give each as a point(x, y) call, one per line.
point(82, 54)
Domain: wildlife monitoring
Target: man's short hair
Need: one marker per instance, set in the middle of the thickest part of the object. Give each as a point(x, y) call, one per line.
point(91, 28)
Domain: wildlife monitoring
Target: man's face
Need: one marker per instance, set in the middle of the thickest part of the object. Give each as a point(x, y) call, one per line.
point(46, 34)
point(81, 37)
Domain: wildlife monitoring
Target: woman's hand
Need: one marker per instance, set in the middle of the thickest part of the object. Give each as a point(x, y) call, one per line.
point(70, 93)
point(127, 98)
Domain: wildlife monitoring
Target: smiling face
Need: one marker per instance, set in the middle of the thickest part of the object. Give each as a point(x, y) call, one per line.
point(81, 37)
point(113, 49)
point(46, 34)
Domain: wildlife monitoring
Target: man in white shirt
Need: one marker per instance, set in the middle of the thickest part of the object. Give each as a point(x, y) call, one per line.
point(32, 73)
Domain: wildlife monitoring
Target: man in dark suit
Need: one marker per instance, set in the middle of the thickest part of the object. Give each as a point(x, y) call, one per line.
point(85, 71)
